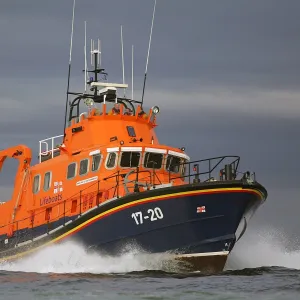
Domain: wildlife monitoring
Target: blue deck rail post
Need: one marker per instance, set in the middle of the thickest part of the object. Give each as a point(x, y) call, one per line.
point(64, 212)
point(189, 172)
point(17, 228)
point(98, 196)
point(47, 225)
point(32, 221)
point(118, 178)
point(80, 203)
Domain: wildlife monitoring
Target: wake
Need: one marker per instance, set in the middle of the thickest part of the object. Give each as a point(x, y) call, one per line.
point(254, 250)
point(266, 248)
point(71, 257)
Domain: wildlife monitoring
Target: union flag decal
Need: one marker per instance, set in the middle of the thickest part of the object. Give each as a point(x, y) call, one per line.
point(201, 209)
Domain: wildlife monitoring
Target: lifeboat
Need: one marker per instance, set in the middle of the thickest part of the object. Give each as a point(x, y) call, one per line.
point(108, 183)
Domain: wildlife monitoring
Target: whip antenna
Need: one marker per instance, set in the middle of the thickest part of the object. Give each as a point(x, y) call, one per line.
point(123, 60)
point(85, 61)
point(132, 73)
point(69, 72)
point(148, 53)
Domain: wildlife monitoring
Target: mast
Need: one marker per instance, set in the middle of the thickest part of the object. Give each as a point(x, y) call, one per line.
point(85, 62)
point(132, 73)
point(145, 78)
point(95, 61)
point(123, 68)
point(69, 71)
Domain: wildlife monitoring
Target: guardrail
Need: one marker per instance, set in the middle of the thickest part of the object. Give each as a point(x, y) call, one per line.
point(94, 195)
point(50, 150)
point(71, 208)
point(193, 169)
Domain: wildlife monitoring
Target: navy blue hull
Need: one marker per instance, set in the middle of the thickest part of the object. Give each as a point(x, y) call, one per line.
point(176, 226)
point(197, 223)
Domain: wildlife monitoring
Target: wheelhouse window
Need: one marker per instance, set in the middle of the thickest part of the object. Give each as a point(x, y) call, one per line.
point(111, 160)
point(153, 160)
point(96, 162)
point(173, 163)
point(71, 171)
point(47, 181)
point(183, 167)
point(83, 167)
point(130, 159)
point(131, 131)
point(36, 184)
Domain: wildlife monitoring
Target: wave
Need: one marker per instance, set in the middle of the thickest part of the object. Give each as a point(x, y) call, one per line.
point(254, 254)
point(265, 248)
point(71, 257)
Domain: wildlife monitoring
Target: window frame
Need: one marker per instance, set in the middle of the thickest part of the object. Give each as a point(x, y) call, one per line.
point(131, 131)
point(162, 160)
point(166, 160)
point(50, 180)
point(183, 167)
point(39, 185)
point(116, 160)
point(87, 167)
point(141, 156)
point(75, 172)
point(100, 162)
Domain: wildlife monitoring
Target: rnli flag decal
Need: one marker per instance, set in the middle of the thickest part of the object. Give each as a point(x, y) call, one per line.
point(201, 209)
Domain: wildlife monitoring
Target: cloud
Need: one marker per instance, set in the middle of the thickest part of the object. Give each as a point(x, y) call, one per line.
point(278, 103)
point(225, 75)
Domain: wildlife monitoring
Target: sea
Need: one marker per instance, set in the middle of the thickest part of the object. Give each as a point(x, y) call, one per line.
point(260, 267)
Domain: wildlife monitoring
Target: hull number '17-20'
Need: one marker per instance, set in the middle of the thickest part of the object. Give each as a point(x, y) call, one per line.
point(152, 214)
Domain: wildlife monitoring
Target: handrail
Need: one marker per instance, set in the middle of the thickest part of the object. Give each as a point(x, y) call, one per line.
point(113, 191)
point(52, 148)
point(71, 198)
point(211, 167)
point(53, 206)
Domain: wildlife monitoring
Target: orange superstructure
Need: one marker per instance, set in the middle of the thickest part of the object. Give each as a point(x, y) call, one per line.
point(111, 153)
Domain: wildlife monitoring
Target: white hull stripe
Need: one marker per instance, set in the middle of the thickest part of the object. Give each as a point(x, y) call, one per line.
point(204, 254)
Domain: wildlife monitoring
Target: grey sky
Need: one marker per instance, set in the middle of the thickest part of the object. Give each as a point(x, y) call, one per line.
point(225, 73)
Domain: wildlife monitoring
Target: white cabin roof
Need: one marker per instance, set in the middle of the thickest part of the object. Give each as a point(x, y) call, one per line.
point(107, 84)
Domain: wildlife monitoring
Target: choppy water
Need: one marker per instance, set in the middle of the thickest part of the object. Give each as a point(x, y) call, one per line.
point(259, 268)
